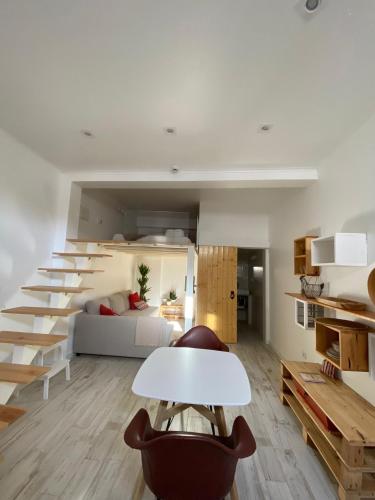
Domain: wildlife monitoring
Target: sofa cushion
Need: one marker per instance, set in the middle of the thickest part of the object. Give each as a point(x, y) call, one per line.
point(92, 306)
point(117, 303)
point(133, 298)
point(106, 311)
point(125, 295)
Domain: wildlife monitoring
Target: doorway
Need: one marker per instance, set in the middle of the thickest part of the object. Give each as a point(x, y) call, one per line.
point(251, 294)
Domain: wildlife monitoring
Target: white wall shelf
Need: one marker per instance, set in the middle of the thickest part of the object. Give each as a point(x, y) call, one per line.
point(306, 313)
point(341, 249)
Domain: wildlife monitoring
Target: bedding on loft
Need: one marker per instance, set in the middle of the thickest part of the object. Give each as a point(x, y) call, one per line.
point(171, 237)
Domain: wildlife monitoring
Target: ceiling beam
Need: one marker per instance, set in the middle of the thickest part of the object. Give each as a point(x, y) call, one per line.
point(259, 177)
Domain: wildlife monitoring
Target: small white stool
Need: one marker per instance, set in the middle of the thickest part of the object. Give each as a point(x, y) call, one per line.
point(59, 363)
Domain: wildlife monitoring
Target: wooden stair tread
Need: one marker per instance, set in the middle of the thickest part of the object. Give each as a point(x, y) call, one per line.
point(69, 270)
point(20, 374)
point(28, 338)
point(56, 289)
point(43, 311)
point(9, 414)
point(82, 254)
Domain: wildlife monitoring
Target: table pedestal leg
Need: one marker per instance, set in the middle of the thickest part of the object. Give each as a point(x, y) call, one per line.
point(140, 484)
point(222, 428)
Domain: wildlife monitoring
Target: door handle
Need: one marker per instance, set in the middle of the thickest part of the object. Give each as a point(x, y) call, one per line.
point(232, 294)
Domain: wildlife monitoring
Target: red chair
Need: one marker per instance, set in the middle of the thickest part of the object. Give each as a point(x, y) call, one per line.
point(201, 337)
point(188, 466)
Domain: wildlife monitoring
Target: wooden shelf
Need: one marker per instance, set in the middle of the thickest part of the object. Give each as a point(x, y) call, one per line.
point(69, 270)
point(56, 289)
point(43, 311)
point(302, 257)
point(27, 338)
point(323, 447)
point(83, 255)
point(9, 414)
point(349, 453)
point(353, 342)
point(367, 315)
point(334, 440)
point(349, 412)
point(20, 374)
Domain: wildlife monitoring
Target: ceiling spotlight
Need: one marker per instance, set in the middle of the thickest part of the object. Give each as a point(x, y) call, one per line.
point(266, 127)
point(312, 5)
point(175, 170)
point(170, 130)
point(87, 133)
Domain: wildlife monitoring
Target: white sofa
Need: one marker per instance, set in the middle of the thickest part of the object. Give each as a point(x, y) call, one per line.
point(131, 334)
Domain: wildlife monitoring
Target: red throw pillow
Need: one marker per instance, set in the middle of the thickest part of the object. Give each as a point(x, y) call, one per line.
point(133, 298)
point(106, 311)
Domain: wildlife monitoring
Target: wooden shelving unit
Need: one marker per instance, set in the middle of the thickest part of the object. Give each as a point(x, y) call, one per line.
point(367, 315)
point(353, 341)
point(173, 311)
point(302, 257)
point(349, 453)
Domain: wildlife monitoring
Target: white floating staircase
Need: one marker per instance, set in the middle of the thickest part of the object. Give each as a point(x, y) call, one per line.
point(29, 348)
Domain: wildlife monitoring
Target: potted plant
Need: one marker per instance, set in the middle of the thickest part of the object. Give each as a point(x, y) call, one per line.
point(172, 297)
point(143, 280)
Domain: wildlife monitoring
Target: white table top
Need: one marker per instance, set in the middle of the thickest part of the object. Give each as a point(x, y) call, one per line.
point(194, 376)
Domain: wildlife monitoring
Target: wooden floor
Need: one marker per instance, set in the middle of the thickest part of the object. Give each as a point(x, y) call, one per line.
point(71, 446)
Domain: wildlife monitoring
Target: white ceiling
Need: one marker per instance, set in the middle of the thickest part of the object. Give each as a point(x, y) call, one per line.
point(214, 69)
point(151, 199)
point(183, 200)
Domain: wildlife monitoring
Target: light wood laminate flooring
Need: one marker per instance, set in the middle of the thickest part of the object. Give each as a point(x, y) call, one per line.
point(71, 447)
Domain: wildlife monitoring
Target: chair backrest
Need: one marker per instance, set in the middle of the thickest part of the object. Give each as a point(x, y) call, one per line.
point(182, 465)
point(201, 337)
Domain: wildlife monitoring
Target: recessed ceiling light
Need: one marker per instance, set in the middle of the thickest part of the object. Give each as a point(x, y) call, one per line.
point(87, 133)
point(175, 170)
point(312, 5)
point(170, 130)
point(266, 127)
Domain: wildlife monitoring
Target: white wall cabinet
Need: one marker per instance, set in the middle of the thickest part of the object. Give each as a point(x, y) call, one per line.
point(341, 249)
point(305, 314)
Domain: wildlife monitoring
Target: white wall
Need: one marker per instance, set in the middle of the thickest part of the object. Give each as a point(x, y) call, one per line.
point(236, 217)
point(33, 205)
point(343, 200)
point(166, 273)
point(104, 218)
point(118, 275)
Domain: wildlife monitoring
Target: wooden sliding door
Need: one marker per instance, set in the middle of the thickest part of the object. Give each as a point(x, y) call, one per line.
point(217, 291)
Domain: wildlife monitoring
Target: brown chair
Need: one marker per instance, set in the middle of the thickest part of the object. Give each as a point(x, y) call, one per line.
point(188, 466)
point(201, 337)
